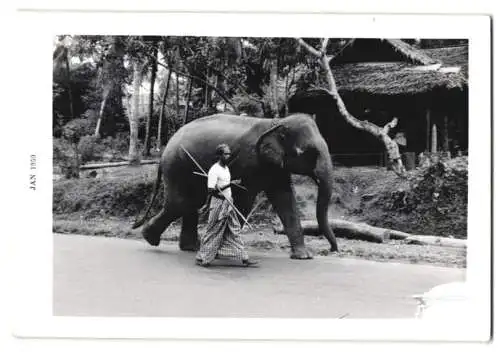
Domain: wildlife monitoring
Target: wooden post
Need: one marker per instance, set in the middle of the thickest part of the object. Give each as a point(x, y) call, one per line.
point(428, 130)
point(434, 139)
point(446, 146)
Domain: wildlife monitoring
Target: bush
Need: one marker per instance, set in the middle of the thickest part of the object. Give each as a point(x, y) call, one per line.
point(76, 129)
point(65, 158)
point(248, 106)
point(115, 148)
point(90, 148)
point(105, 197)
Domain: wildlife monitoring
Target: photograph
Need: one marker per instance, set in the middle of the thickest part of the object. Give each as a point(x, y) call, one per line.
point(236, 153)
point(221, 182)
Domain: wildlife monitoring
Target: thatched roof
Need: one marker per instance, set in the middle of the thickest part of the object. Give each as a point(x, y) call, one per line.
point(394, 78)
point(381, 50)
point(391, 67)
point(451, 56)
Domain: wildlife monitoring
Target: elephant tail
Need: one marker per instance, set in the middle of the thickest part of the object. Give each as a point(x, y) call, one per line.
point(155, 193)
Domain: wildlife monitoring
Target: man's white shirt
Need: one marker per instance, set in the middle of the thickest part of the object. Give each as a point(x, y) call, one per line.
point(220, 176)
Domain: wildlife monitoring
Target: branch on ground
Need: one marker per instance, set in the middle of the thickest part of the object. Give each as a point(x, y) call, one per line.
point(365, 232)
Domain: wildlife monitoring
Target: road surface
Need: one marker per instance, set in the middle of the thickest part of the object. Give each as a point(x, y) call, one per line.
point(97, 276)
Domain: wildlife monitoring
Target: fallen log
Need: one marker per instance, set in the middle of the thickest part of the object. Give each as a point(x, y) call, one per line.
point(114, 164)
point(436, 241)
point(365, 232)
point(344, 229)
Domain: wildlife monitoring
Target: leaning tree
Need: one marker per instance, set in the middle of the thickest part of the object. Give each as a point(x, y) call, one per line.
point(381, 133)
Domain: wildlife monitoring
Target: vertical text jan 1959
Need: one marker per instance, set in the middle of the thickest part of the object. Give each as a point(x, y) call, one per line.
point(33, 172)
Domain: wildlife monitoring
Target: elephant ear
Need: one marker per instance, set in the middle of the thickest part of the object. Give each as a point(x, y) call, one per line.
point(270, 148)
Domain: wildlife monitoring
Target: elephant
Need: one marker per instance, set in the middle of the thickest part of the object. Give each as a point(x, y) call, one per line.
point(265, 154)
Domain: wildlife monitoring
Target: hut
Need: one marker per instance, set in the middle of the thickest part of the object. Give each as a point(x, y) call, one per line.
point(380, 79)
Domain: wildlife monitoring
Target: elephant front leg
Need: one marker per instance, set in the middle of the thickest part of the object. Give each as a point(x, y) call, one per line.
point(282, 197)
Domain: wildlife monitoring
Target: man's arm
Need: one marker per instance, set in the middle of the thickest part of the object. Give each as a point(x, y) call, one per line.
point(216, 190)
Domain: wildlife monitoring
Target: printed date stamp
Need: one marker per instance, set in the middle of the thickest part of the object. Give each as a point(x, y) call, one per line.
point(33, 172)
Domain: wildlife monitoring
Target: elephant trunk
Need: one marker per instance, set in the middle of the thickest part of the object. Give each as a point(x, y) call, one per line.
point(323, 174)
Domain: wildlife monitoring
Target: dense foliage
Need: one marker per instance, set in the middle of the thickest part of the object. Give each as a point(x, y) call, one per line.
point(143, 88)
point(148, 87)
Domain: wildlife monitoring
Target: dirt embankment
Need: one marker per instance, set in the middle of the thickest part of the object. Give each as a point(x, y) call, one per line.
point(432, 201)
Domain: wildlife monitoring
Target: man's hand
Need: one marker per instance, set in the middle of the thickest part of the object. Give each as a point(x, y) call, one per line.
point(236, 182)
point(204, 209)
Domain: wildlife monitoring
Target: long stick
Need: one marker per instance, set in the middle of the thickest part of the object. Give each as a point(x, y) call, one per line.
point(205, 174)
point(235, 209)
point(194, 161)
point(253, 209)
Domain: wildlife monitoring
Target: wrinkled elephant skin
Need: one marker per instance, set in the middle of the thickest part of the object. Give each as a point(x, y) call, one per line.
point(265, 154)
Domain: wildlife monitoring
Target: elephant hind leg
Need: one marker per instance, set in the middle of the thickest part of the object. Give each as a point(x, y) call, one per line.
point(189, 233)
point(154, 228)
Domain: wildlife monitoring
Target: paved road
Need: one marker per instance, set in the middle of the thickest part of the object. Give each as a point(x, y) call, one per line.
point(95, 276)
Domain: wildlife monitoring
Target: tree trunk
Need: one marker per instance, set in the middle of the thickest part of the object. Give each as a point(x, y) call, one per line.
point(381, 133)
point(286, 94)
point(114, 164)
point(177, 108)
point(154, 70)
point(111, 80)
point(436, 241)
point(288, 87)
point(365, 232)
point(206, 88)
point(345, 229)
point(216, 82)
point(274, 87)
point(68, 81)
point(162, 111)
point(133, 152)
point(105, 96)
point(186, 110)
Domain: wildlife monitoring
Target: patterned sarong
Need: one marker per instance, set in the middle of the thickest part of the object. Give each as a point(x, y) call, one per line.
point(222, 237)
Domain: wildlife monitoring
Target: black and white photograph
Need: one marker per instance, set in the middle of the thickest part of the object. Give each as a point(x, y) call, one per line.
point(215, 177)
point(343, 149)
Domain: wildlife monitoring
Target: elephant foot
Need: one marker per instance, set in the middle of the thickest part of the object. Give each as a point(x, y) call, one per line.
point(334, 249)
point(301, 253)
point(189, 247)
point(152, 240)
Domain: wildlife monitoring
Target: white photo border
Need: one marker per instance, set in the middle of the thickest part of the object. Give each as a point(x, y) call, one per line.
point(34, 264)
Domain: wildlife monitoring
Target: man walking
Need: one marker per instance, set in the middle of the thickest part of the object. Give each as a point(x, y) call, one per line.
point(222, 238)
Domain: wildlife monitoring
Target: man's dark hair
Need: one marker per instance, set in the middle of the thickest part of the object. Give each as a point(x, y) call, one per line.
point(220, 149)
